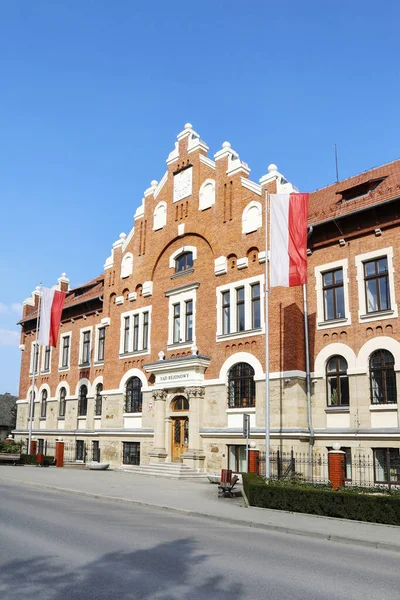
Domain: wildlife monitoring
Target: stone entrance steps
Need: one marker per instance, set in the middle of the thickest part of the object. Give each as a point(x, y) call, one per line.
point(171, 470)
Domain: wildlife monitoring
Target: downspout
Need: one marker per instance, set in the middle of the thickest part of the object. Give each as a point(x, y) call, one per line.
point(308, 374)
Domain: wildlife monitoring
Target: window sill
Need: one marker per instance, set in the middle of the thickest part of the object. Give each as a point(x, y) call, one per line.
point(378, 407)
point(336, 409)
point(97, 416)
point(178, 345)
point(98, 363)
point(332, 322)
point(81, 417)
point(60, 418)
point(135, 353)
point(182, 273)
point(63, 368)
point(238, 411)
point(238, 334)
point(45, 372)
point(42, 418)
point(377, 314)
point(132, 414)
point(84, 365)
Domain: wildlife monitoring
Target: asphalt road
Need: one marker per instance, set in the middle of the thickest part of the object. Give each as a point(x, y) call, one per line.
point(56, 546)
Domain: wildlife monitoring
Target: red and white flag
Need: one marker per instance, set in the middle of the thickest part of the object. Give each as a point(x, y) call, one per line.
point(50, 316)
point(288, 226)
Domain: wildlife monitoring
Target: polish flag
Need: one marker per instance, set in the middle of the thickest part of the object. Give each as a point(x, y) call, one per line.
point(288, 226)
point(50, 316)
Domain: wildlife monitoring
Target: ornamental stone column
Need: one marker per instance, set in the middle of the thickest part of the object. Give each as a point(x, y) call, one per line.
point(194, 457)
point(159, 453)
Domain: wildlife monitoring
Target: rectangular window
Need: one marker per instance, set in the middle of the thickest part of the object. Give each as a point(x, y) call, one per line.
point(333, 292)
point(40, 449)
point(145, 330)
point(387, 465)
point(376, 278)
point(65, 352)
point(189, 320)
point(237, 458)
point(35, 359)
point(80, 453)
point(86, 348)
point(255, 306)
point(46, 364)
point(226, 312)
point(177, 323)
point(240, 321)
point(95, 451)
point(126, 333)
point(101, 342)
point(135, 333)
point(131, 453)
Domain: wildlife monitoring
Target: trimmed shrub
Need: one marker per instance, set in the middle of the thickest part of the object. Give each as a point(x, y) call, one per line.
point(345, 504)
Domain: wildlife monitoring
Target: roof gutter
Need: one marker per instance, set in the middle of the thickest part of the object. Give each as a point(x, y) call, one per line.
point(355, 212)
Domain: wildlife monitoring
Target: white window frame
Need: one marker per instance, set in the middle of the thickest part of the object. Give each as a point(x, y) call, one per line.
point(177, 253)
point(360, 259)
point(33, 344)
point(42, 361)
point(181, 296)
point(319, 272)
point(130, 314)
point(62, 336)
point(81, 333)
point(96, 342)
point(232, 287)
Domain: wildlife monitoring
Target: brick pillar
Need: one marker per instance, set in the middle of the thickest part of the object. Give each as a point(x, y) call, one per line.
point(59, 453)
point(32, 449)
point(336, 468)
point(254, 461)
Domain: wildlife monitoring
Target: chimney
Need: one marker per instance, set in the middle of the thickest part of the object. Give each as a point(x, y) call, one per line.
point(63, 283)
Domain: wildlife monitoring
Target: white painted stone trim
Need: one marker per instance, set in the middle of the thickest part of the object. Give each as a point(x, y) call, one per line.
point(180, 251)
point(360, 259)
point(246, 283)
point(318, 273)
point(237, 358)
point(337, 348)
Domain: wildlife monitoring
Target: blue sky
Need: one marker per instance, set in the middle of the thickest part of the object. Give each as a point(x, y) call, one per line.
point(93, 94)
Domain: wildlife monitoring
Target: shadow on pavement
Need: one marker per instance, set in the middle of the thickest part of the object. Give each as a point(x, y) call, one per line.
point(164, 572)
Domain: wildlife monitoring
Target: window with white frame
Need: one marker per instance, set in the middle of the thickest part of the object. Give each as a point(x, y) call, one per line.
point(332, 294)
point(85, 346)
point(240, 308)
point(46, 359)
point(135, 331)
point(34, 357)
point(65, 349)
point(100, 344)
point(375, 281)
point(182, 314)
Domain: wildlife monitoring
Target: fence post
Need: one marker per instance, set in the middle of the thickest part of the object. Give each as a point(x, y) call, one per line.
point(292, 463)
point(278, 464)
point(336, 466)
point(59, 453)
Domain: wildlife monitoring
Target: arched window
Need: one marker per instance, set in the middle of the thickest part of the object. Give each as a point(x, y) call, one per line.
point(180, 403)
point(183, 262)
point(133, 400)
point(382, 378)
point(98, 400)
point(337, 382)
point(207, 194)
point(127, 265)
point(82, 401)
point(252, 217)
point(63, 394)
point(241, 386)
point(43, 407)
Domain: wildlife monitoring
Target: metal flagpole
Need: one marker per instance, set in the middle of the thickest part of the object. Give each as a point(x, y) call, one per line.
point(34, 366)
point(267, 419)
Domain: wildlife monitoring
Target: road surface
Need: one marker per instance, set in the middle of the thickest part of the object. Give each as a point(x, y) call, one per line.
point(57, 546)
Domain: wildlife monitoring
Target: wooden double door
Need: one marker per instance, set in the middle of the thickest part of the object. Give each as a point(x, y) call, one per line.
point(180, 437)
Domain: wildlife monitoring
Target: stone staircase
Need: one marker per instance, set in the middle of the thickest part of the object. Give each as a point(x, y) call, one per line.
point(171, 470)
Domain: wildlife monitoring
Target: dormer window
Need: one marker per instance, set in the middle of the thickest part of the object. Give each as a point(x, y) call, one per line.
point(184, 262)
point(360, 190)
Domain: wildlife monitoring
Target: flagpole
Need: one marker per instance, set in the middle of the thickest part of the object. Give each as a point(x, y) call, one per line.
point(267, 417)
point(32, 395)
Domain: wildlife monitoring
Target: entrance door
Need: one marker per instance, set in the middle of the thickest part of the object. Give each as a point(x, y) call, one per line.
point(180, 437)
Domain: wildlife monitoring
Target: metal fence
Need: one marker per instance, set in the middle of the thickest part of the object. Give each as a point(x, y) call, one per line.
point(379, 467)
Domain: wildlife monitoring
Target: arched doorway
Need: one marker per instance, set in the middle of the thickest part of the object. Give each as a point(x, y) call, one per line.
point(180, 427)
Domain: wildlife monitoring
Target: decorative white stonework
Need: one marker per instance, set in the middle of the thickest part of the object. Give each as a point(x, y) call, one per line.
point(183, 184)
point(119, 300)
point(252, 217)
point(132, 296)
point(127, 265)
point(181, 229)
point(186, 372)
point(161, 184)
point(105, 321)
point(235, 165)
point(207, 194)
point(242, 263)
point(22, 347)
point(150, 191)
point(139, 211)
point(261, 257)
point(147, 289)
point(120, 241)
point(63, 279)
point(221, 265)
point(160, 216)
point(282, 185)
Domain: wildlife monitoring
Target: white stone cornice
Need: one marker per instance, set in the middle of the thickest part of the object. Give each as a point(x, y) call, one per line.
point(250, 185)
point(161, 184)
point(207, 161)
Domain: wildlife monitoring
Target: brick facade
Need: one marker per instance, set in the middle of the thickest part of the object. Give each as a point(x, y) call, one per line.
point(216, 224)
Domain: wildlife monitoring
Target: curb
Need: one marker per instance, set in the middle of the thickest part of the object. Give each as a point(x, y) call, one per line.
point(238, 522)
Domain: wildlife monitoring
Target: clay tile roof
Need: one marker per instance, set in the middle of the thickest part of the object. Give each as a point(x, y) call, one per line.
point(83, 293)
point(360, 191)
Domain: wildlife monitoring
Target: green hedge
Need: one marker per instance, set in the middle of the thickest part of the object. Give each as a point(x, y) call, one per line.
point(346, 504)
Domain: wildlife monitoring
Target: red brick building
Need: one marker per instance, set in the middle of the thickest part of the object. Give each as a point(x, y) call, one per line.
point(161, 355)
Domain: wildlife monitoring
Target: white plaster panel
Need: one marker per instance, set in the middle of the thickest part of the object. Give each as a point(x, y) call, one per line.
point(235, 419)
point(134, 422)
point(384, 418)
point(337, 420)
point(61, 424)
point(82, 424)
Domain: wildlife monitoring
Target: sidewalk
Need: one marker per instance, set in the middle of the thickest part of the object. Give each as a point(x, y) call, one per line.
point(199, 498)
